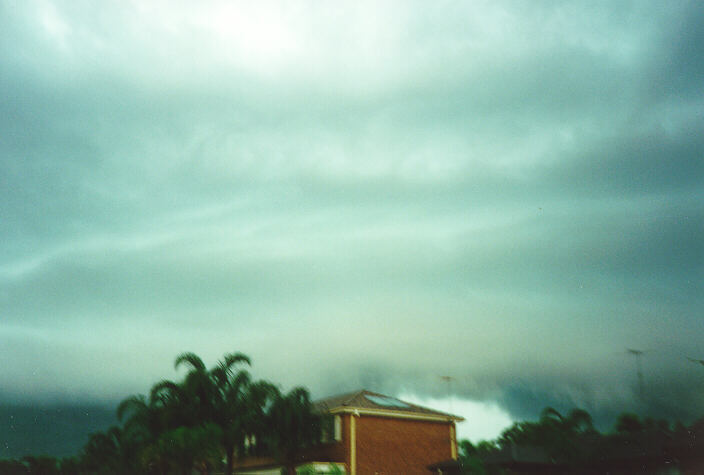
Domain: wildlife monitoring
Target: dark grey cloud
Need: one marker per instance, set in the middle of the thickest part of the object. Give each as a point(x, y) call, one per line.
point(58, 430)
point(356, 195)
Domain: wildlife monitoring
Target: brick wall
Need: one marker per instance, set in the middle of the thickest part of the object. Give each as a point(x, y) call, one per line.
point(384, 446)
point(400, 446)
point(334, 451)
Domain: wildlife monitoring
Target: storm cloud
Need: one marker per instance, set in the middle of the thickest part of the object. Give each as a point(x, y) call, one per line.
point(362, 194)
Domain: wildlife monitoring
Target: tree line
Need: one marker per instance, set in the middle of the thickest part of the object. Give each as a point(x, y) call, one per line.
point(572, 441)
point(213, 417)
point(203, 423)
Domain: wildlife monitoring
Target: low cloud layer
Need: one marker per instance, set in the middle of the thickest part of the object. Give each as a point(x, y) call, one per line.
point(356, 195)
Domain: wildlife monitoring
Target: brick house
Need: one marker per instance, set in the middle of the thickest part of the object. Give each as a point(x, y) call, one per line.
point(370, 433)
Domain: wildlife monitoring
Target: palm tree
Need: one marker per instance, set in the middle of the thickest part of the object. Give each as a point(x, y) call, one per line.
point(551, 416)
point(142, 418)
point(564, 438)
point(258, 397)
point(175, 403)
point(146, 420)
point(578, 421)
point(628, 423)
point(186, 448)
point(293, 424)
point(143, 422)
point(105, 452)
point(198, 385)
point(217, 395)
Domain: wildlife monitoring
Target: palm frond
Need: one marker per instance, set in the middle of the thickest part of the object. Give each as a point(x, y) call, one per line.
point(163, 390)
point(300, 394)
point(232, 359)
point(261, 390)
point(241, 380)
point(579, 419)
point(190, 359)
point(130, 405)
point(550, 413)
point(115, 434)
point(219, 375)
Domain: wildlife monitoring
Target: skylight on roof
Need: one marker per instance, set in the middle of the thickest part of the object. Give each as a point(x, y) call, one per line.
point(387, 401)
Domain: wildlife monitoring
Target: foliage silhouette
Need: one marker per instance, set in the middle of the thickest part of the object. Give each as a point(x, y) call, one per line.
point(572, 442)
point(214, 416)
point(294, 425)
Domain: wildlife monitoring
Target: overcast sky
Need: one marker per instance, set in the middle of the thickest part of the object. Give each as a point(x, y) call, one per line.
point(356, 194)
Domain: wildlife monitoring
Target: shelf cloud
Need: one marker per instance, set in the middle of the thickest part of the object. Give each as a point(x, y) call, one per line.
point(356, 194)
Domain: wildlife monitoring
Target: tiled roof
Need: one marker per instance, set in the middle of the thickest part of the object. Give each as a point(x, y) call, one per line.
point(364, 399)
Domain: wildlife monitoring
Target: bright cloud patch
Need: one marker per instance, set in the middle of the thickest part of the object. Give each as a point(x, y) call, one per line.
point(483, 420)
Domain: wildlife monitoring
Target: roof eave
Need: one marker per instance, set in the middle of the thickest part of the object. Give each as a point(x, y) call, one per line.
point(396, 414)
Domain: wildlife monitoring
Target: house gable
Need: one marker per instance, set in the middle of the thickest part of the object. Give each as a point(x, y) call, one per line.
point(374, 433)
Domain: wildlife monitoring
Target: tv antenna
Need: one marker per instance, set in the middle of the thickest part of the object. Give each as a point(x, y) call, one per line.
point(448, 380)
point(639, 367)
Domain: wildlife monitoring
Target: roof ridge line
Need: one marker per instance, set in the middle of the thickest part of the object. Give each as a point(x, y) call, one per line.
point(353, 395)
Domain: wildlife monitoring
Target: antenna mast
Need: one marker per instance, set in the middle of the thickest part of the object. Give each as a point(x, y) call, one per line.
point(448, 380)
point(639, 368)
